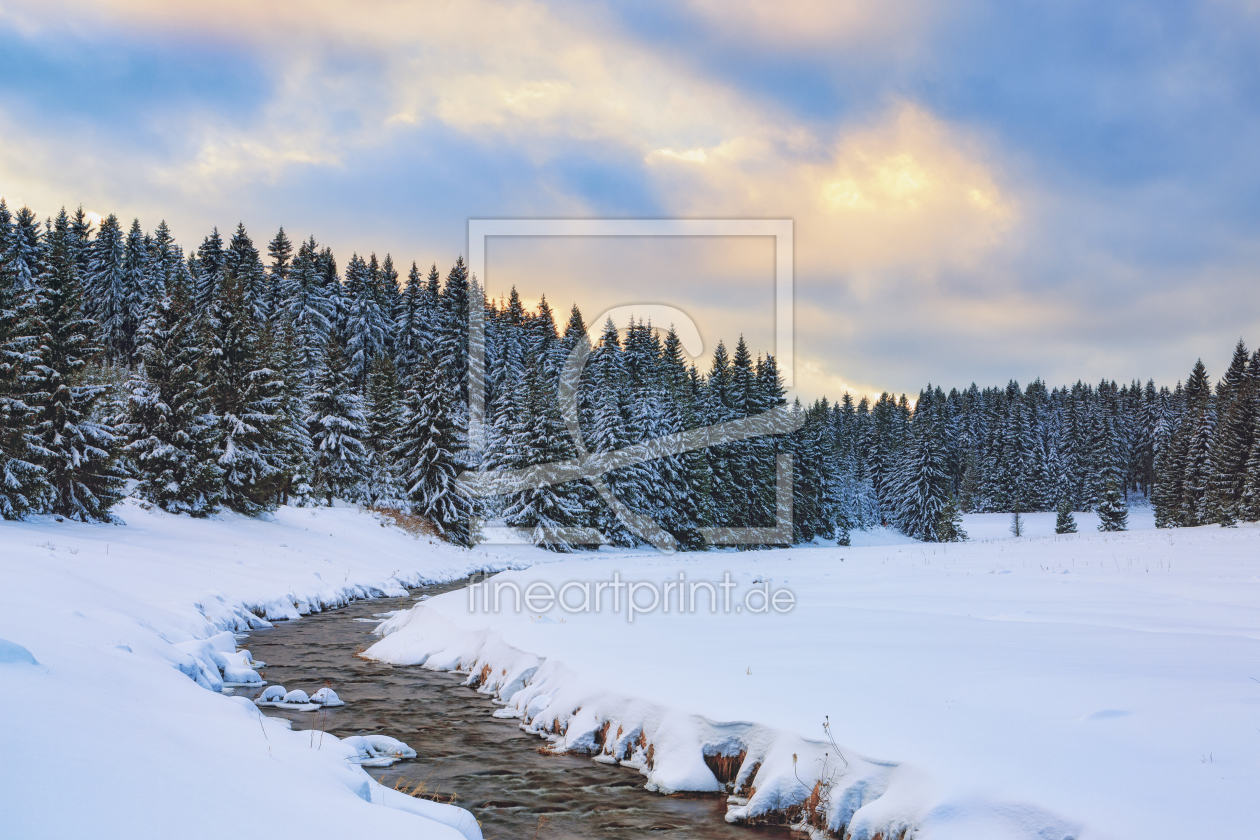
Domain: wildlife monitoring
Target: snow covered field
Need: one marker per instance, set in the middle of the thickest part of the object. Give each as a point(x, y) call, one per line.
point(1096, 685)
point(107, 737)
point(1086, 686)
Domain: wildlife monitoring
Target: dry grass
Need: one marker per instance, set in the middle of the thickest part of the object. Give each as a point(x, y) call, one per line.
point(417, 526)
point(420, 790)
point(726, 767)
point(481, 678)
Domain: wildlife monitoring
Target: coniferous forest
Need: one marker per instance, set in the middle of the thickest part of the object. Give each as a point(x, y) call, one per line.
point(226, 378)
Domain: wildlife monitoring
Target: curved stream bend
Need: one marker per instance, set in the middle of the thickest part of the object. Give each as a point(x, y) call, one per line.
point(494, 768)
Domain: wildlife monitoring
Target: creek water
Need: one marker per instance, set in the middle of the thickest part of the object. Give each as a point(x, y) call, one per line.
point(493, 767)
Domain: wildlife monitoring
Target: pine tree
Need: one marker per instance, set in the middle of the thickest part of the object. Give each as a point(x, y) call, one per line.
point(1250, 505)
point(280, 249)
point(23, 254)
point(338, 427)
point(919, 489)
point(246, 396)
point(1232, 440)
point(78, 450)
point(1113, 513)
point(171, 434)
point(426, 457)
point(1017, 524)
point(1197, 431)
point(23, 483)
point(539, 435)
point(413, 339)
point(1064, 522)
point(304, 301)
point(948, 523)
point(109, 300)
point(242, 263)
point(209, 267)
point(366, 324)
point(293, 440)
point(384, 412)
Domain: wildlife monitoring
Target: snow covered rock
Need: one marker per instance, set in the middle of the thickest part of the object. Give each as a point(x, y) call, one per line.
point(297, 695)
point(327, 697)
point(378, 750)
point(237, 668)
point(273, 694)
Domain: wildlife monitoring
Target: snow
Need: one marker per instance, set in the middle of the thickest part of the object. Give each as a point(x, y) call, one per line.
point(327, 697)
point(113, 636)
point(1087, 686)
point(378, 750)
point(12, 654)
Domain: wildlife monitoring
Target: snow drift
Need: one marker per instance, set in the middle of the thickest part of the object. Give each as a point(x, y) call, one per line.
point(1090, 686)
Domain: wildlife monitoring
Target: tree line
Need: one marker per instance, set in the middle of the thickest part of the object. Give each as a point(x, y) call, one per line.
point(228, 378)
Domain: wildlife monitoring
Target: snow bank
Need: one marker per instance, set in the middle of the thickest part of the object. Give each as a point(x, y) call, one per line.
point(327, 697)
point(146, 615)
point(1086, 686)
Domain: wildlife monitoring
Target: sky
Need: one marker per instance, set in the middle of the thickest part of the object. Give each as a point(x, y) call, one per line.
point(980, 191)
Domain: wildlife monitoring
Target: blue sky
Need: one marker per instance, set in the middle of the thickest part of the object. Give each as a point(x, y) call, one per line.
point(981, 190)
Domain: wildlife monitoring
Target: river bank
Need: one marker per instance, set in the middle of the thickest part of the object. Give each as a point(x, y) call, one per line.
point(107, 732)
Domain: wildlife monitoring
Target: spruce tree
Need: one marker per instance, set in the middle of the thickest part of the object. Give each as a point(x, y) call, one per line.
point(280, 249)
point(23, 482)
point(366, 324)
point(338, 427)
point(242, 262)
point(109, 300)
point(1113, 512)
point(23, 256)
point(1249, 507)
point(209, 266)
point(1064, 522)
point(304, 299)
point(425, 454)
point(1198, 425)
point(293, 441)
point(1232, 439)
point(246, 396)
point(384, 412)
point(919, 490)
point(171, 434)
point(539, 435)
point(78, 449)
point(948, 523)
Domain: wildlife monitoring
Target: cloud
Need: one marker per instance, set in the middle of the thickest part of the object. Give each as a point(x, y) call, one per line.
point(957, 184)
point(906, 190)
point(826, 24)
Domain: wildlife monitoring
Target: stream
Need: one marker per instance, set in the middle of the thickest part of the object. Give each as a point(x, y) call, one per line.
point(493, 767)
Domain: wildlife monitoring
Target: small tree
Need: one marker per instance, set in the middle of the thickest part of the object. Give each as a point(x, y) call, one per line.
point(948, 523)
point(1113, 512)
point(1017, 524)
point(1065, 523)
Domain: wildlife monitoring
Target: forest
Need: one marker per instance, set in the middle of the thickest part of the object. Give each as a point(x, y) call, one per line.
point(223, 378)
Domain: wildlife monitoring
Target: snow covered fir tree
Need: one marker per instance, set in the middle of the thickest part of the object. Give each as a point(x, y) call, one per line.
point(237, 377)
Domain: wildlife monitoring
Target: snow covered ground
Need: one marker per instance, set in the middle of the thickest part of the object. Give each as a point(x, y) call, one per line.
point(1085, 686)
point(109, 736)
point(1091, 686)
